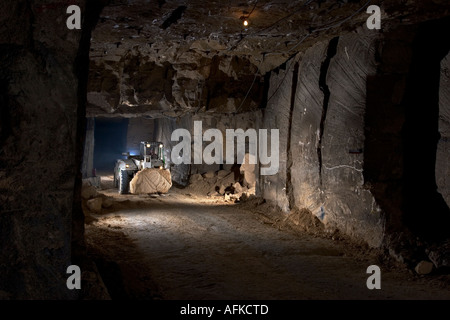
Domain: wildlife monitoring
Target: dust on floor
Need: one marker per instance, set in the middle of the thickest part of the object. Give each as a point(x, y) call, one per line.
point(187, 246)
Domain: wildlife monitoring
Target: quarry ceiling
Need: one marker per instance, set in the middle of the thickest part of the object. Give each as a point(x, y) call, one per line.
point(164, 58)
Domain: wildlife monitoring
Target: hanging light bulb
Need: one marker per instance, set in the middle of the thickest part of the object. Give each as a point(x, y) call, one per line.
point(245, 23)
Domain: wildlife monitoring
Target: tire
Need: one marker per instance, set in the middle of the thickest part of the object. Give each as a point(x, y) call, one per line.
point(116, 181)
point(124, 182)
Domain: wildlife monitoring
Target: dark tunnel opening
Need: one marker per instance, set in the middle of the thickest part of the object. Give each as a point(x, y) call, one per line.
point(110, 142)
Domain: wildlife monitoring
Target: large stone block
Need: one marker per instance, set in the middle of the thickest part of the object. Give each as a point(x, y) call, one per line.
point(306, 117)
point(277, 116)
point(347, 203)
point(327, 137)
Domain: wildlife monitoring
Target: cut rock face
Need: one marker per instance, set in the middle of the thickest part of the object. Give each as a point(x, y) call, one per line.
point(151, 181)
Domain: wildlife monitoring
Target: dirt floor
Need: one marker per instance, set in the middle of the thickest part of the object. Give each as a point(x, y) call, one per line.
point(185, 246)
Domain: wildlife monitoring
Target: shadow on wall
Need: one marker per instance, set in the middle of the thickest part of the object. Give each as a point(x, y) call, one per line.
point(426, 211)
point(402, 133)
point(110, 141)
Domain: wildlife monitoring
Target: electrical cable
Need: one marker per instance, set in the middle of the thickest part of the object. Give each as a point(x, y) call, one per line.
point(256, 2)
point(268, 27)
point(251, 86)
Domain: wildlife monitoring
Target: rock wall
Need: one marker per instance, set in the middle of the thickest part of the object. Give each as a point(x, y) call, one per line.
point(305, 171)
point(384, 120)
point(87, 168)
point(139, 129)
point(347, 202)
point(443, 149)
point(38, 166)
point(319, 109)
point(420, 134)
point(350, 140)
point(133, 83)
point(163, 128)
point(277, 115)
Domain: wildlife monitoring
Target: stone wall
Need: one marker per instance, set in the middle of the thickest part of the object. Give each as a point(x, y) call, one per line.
point(277, 115)
point(322, 135)
point(87, 167)
point(139, 129)
point(134, 83)
point(347, 202)
point(361, 133)
point(38, 166)
point(443, 149)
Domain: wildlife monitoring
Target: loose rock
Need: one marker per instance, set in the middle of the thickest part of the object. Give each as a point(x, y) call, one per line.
point(424, 267)
point(237, 187)
point(95, 205)
point(196, 177)
point(209, 175)
point(88, 192)
point(222, 173)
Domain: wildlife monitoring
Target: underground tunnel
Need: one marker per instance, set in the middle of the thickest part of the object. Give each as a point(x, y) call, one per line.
point(228, 150)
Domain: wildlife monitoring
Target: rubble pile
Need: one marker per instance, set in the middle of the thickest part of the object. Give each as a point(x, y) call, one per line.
point(222, 184)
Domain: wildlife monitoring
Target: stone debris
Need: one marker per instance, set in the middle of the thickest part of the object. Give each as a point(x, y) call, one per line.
point(222, 173)
point(95, 205)
point(440, 255)
point(196, 177)
point(222, 184)
point(88, 192)
point(209, 175)
point(93, 181)
point(237, 187)
point(424, 267)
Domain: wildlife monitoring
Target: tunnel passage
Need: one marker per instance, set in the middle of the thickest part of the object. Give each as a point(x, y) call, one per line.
point(218, 89)
point(402, 130)
point(110, 142)
point(44, 81)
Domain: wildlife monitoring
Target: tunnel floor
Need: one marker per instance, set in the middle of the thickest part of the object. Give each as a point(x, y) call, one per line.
point(185, 247)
